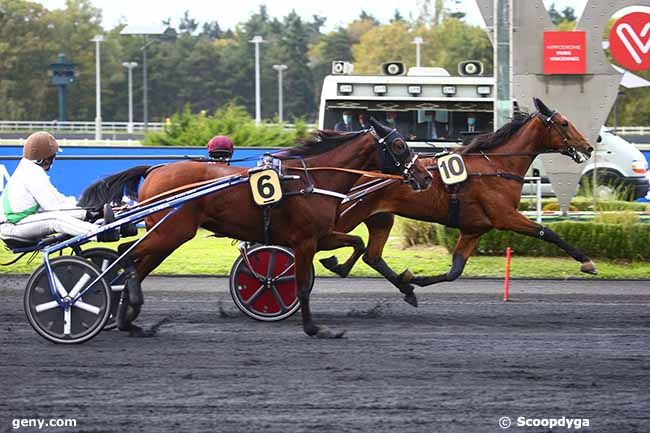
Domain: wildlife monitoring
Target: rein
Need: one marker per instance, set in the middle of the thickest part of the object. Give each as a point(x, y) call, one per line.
point(365, 173)
point(175, 190)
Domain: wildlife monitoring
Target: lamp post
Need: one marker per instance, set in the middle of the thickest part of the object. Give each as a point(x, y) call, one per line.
point(257, 40)
point(280, 69)
point(151, 30)
point(417, 41)
point(98, 93)
point(130, 66)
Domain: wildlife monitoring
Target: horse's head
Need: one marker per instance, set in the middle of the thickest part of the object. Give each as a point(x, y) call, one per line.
point(395, 157)
point(563, 137)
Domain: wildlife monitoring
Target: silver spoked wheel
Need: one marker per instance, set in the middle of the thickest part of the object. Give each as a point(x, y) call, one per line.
point(78, 323)
point(269, 296)
point(102, 258)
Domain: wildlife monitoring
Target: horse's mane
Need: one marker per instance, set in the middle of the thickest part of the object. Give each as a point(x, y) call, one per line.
point(490, 140)
point(322, 141)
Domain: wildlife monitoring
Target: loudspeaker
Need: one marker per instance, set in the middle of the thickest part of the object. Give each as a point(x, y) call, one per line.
point(393, 68)
point(340, 67)
point(470, 68)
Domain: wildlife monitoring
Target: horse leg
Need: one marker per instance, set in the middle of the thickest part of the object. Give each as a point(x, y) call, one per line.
point(463, 249)
point(304, 256)
point(339, 240)
point(519, 223)
point(379, 227)
point(144, 259)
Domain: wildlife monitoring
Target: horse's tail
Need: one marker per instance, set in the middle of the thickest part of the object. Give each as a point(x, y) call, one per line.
point(113, 188)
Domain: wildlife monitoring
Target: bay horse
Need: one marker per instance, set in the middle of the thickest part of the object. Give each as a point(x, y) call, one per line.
point(496, 163)
point(303, 221)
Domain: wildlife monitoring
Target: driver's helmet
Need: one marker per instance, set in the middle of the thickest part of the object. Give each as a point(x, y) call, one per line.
point(40, 146)
point(220, 147)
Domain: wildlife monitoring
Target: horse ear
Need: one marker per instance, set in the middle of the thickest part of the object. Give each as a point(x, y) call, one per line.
point(541, 107)
point(382, 129)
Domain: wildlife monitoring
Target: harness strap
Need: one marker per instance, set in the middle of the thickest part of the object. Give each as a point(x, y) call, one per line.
point(175, 190)
point(349, 170)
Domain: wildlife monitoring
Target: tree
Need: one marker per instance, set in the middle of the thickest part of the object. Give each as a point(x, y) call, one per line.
point(293, 48)
point(211, 30)
point(187, 24)
point(364, 16)
point(332, 46)
point(556, 17)
point(569, 14)
point(397, 17)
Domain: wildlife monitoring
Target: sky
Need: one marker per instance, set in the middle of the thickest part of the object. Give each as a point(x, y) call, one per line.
point(228, 14)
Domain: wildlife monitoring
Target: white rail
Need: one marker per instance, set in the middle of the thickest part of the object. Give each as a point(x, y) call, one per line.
point(632, 130)
point(89, 127)
point(82, 127)
point(537, 196)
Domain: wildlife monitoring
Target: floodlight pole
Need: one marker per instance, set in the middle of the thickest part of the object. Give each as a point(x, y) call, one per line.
point(257, 40)
point(130, 66)
point(145, 87)
point(280, 69)
point(98, 93)
point(503, 62)
point(417, 41)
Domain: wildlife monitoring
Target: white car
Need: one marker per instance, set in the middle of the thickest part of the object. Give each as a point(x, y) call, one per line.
point(618, 162)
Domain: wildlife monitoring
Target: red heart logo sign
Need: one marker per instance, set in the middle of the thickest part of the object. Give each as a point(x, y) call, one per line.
point(629, 41)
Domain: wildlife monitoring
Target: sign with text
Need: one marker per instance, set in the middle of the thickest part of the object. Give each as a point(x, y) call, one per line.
point(629, 41)
point(565, 52)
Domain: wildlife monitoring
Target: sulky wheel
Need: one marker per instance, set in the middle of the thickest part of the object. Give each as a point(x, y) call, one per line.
point(102, 259)
point(75, 324)
point(271, 296)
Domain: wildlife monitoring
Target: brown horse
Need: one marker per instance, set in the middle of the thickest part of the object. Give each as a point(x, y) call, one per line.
point(488, 199)
point(303, 220)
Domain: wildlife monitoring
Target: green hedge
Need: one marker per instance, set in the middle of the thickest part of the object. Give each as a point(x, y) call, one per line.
point(586, 204)
point(614, 241)
point(190, 129)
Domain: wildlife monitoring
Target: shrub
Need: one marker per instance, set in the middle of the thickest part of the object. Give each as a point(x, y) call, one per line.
point(597, 239)
point(583, 204)
point(190, 129)
point(418, 232)
point(623, 218)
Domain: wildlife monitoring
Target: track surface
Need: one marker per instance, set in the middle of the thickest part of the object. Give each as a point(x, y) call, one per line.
point(462, 360)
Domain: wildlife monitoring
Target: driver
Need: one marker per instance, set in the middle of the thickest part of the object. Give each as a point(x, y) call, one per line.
point(220, 148)
point(32, 207)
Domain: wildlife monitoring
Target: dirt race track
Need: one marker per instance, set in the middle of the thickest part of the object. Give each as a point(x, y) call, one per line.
point(458, 363)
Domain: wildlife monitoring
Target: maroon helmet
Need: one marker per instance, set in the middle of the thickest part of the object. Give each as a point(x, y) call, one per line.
point(220, 146)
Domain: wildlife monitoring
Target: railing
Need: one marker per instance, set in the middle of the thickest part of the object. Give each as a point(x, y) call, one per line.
point(89, 127)
point(632, 130)
point(537, 196)
point(79, 127)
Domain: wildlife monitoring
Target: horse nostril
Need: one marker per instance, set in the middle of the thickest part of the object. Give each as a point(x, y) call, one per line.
point(590, 149)
point(427, 180)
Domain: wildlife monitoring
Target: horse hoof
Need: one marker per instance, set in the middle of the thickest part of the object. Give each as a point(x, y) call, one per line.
point(325, 332)
point(411, 299)
point(406, 276)
point(330, 263)
point(589, 268)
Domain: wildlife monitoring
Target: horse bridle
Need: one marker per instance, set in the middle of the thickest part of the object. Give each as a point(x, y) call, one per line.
point(391, 162)
point(549, 123)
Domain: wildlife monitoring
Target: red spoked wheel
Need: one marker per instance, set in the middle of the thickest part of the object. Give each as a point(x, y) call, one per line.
point(267, 292)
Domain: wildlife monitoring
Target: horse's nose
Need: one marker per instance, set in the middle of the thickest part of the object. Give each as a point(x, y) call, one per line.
point(590, 149)
point(427, 181)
